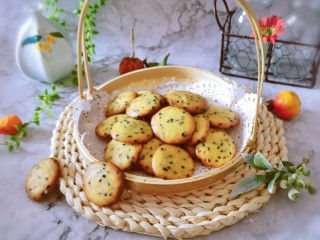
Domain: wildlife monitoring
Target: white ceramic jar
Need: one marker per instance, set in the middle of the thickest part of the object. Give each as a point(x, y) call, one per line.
point(43, 50)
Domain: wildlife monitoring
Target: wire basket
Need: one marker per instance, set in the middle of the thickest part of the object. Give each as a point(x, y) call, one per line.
point(286, 61)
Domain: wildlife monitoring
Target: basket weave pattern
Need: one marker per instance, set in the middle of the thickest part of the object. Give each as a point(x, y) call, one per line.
point(178, 216)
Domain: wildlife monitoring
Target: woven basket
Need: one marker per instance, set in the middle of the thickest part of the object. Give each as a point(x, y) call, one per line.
point(187, 214)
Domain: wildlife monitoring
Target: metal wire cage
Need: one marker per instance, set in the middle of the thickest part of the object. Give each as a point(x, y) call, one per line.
point(287, 62)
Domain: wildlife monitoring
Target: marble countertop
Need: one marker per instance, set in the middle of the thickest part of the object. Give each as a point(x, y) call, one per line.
point(188, 31)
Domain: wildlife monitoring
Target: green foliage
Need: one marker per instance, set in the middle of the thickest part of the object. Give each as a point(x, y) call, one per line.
point(155, 64)
point(47, 98)
point(90, 26)
point(51, 6)
point(289, 176)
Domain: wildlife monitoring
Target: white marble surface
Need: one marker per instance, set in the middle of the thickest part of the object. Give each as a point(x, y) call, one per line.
point(188, 31)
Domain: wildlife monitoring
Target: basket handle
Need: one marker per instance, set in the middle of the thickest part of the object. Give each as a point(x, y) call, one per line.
point(260, 57)
point(81, 49)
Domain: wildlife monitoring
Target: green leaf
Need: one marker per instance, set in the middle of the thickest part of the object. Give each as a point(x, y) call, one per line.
point(10, 148)
point(56, 34)
point(294, 194)
point(261, 162)
point(31, 40)
point(273, 181)
point(285, 165)
point(165, 60)
point(312, 190)
point(247, 184)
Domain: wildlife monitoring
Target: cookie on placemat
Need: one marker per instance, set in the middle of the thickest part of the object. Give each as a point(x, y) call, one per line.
point(217, 149)
point(191, 149)
point(145, 158)
point(120, 103)
point(145, 104)
point(173, 125)
point(103, 183)
point(42, 178)
point(103, 129)
point(189, 101)
point(221, 117)
point(201, 130)
point(171, 162)
point(122, 154)
point(131, 131)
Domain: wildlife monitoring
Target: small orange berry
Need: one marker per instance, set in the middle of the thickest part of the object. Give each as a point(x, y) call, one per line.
point(8, 125)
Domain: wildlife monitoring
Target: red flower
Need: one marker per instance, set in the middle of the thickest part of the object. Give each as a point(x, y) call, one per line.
point(271, 27)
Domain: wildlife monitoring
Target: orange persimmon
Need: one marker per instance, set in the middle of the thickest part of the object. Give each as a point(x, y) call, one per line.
point(8, 124)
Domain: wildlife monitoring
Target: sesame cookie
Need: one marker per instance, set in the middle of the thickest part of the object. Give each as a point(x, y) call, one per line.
point(145, 104)
point(171, 162)
point(201, 129)
point(191, 149)
point(173, 125)
point(121, 154)
point(145, 158)
point(120, 103)
point(189, 101)
point(103, 183)
point(42, 178)
point(131, 131)
point(221, 117)
point(217, 149)
point(103, 129)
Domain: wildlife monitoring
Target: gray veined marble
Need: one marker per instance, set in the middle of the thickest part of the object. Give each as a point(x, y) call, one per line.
point(188, 31)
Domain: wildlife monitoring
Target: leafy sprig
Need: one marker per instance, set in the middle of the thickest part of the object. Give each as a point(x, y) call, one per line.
point(47, 98)
point(90, 26)
point(294, 178)
point(51, 7)
point(155, 64)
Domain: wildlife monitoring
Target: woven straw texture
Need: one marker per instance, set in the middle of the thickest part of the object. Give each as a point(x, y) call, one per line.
point(178, 216)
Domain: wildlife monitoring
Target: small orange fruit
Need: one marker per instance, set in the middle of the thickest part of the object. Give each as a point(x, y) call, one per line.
point(287, 105)
point(8, 125)
point(129, 64)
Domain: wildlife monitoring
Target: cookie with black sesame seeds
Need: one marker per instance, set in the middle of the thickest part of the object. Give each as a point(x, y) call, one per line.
point(191, 149)
point(103, 129)
point(42, 178)
point(120, 103)
point(124, 155)
point(201, 129)
point(171, 162)
point(173, 125)
point(221, 117)
point(192, 102)
point(217, 149)
point(146, 154)
point(144, 105)
point(131, 131)
point(103, 183)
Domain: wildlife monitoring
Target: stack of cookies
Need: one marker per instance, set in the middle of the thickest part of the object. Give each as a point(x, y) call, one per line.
point(165, 135)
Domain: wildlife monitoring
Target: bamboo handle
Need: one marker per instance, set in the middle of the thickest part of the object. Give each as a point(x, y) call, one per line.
point(260, 57)
point(256, 33)
point(81, 49)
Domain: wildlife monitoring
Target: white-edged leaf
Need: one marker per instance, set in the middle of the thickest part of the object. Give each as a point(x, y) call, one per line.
point(260, 161)
point(294, 194)
point(272, 182)
point(247, 184)
point(286, 165)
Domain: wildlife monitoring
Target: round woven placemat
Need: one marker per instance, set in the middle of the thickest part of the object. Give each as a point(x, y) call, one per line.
point(178, 216)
